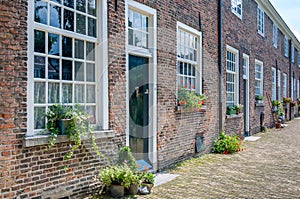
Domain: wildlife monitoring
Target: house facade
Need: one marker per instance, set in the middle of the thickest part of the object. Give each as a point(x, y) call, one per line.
point(124, 62)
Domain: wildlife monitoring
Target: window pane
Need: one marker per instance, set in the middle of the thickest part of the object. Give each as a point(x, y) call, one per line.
point(90, 93)
point(92, 7)
point(79, 93)
point(80, 5)
point(91, 110)
point(39, 67)
point(53, 44)
point(79, 71)
point(69, 3)
point(130, 37)
point(57, 1)
point(68, 20)
point(66, 46)
point(137, 38)
point(79, 49)
point(39, 117)
point(53, 68)
point(40, 12)
point(53, 93)
point(92, 27)
point(137, 20)
point(39, 92)
point(67, 93)
point(145, 23)
point(39, 41)
point(66, 70)
point(90, 72)
point(55, 16)
point(90, 51)
point(80, 24)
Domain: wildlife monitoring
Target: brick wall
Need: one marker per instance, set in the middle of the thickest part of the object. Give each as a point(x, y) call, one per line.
point(242, 35)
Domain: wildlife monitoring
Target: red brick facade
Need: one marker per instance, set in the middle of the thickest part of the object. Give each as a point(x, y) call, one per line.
point(33, 172)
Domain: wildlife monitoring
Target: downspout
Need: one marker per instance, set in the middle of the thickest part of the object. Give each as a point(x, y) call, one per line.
point(291, 74)
point(220, 66)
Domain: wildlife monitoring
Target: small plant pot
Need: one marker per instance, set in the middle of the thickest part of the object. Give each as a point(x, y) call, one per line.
point(133, 189)
point(117, 191)
point(63, 125)
point(278, 125)
point(148, 185)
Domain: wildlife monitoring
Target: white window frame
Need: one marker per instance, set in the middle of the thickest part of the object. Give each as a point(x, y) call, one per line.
point(235, 7)
point(261, 79)
point(234, 73)
point(101, 64)
point(298, 88)
point(292, 53)
point(279, 83)
point(275, 35)
point(260, 21)
point(286, 46)
point(198, 63)
point(284, 85)
point(294, 88)
point(273, 83)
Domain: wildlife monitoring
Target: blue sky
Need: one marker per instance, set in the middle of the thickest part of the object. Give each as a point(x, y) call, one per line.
point(289, 10)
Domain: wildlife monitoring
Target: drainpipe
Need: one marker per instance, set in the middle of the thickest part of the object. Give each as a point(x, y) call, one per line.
point(220, 66)
point(291, 73)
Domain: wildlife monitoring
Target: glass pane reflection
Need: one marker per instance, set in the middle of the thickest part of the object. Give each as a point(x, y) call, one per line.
point(67, 93)
point(79, 93)
point(53, 44)
point(92, 29)
point(39, 117)
point(92, 7)
point(53, 92)
point(53, 68)
point(79, 49)
point(40, 11)
point(90, 93)
point(66, 70)
point(80, 24)
point(39, 92)
point(79, 71)
point(68, 20)
point(39, 41)
point(55, 16)
point(67, 46)
point(90, 72)
point(39, 67)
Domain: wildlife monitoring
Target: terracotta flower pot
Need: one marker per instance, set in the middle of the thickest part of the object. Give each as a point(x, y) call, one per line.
point(278, 125)
point(133, 189)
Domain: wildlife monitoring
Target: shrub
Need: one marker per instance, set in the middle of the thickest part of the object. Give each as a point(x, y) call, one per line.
point(125, 157)
point(227, 144)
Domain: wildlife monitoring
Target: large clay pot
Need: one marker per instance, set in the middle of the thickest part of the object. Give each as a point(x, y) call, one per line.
point(116, 191)
point(133, 189)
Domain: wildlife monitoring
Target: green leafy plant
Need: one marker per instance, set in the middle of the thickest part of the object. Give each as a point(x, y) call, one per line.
point(259, 97)
point(190, 99)
point(286, 100)
point(117, 175)
point(125, 157)
point(230, 110)
point(276, 103)
point(77, 127)
point(227, 144)
point(147, 177)
point(293, 103)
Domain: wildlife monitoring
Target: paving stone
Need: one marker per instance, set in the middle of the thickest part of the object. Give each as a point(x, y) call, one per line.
point(267, 168)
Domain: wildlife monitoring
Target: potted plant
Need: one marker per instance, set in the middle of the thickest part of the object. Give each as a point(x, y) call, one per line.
point(276, 103)
point(259, 99)
point(286, 100)
point(293, 103)
point(187, 99)
point(230, 110)
point(238, 108)
point(72, 121)
point(116, 179)
point(146, 180)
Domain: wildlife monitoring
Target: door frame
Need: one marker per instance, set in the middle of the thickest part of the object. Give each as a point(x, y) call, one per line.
point(150, 53)
point(246, 78)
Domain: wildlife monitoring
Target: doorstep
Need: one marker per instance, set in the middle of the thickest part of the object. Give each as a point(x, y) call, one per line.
point(252, 138)
point(161, 178)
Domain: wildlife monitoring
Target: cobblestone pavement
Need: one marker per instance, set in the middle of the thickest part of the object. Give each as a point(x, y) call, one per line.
point(267, 168)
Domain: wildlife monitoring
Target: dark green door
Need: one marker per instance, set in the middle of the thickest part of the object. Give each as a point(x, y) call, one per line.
point(139, 107)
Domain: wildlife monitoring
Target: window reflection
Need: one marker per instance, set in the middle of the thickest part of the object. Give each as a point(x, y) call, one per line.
point(53, 44)
point(39, 67)
point(79, 71)
point(39, 92)
point(55, 16)
point(40, 13)
point(90, 51)
point(67, 93)
point(39, 117)
point(53, 93)
point(39, 41)
point(80, 24)
point(92, 7)
point(66, 70)
point(90, 72)
point(80, 5)
point(68, 20)
point(66, 46)
point(53, 68)
point(90, 94)
point(92, 27)
point(79, 49)
point(79, 93)
point(69, 3)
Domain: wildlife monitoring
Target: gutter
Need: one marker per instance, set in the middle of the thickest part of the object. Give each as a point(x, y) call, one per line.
point(220, 66)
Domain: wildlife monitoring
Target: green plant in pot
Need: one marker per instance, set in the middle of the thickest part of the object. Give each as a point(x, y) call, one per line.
point(116, 179)
point(72, 121)
point(238, 108)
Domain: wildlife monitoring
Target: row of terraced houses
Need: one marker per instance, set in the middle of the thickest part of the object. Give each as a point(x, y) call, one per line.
point(124, 60)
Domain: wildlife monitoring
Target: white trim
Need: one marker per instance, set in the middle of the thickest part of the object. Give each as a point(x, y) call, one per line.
point(262, 31)
point(273, 96)
point(199, 62)
point(247, 108)
point(292, 52)
point(286, 46)
point(236, 73)
point(279, 84)
point(284, 86)
point(262, 75)
point(30, 69)
point(151, 53)
point(235, 11)
point(275, 35)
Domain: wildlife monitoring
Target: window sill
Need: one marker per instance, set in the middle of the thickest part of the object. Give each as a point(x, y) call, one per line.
point(259, 104)
point(189, 110)
point(233, 116)
point(38, 140)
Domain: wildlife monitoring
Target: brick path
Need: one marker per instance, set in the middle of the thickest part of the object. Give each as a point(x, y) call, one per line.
point(267, 168)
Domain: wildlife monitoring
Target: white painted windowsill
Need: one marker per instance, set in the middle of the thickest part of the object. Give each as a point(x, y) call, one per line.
point(38, 140)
